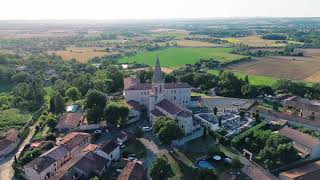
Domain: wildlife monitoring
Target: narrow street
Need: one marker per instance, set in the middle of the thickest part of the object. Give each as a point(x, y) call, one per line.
point(6, 170)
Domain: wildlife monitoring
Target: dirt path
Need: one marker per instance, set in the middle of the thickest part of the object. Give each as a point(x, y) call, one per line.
point(6, 170)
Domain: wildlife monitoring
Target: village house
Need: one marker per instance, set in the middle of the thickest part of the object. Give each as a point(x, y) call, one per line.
point(110, 150)
point(301, 107)
point(162, 99)
point(134, 113)
point(70, 121)
point(9, 142)
point(310, 171)
point(134, 170)
point(46, 165)
point(308, 146)
point(82, 166)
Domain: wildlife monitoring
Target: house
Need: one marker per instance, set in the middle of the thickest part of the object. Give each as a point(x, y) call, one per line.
point(82, 166)
point(47, 164)
point(301, 107)
point(70, 121)
point(110, 150)
point(9, 142)
point(134, 170)
point(76, 141)
point(41, 168)
point(310, 171)
point(304, 143)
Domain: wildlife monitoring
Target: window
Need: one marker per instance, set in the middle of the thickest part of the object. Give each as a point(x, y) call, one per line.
point(174, 97)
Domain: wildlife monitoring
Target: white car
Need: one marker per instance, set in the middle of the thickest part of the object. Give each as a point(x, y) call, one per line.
point(98, 131)
point(146, 129)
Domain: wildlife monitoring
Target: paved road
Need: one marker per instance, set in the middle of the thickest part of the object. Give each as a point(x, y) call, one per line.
point(6, 170)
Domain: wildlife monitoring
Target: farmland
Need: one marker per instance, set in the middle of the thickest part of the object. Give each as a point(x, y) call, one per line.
point(295, 68)
point(253, 79)
point(80, 54)
point(175, 57)
point(191, 43)
point(257, 41)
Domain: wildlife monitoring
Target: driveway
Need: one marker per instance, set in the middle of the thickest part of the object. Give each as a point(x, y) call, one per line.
point(6, 170)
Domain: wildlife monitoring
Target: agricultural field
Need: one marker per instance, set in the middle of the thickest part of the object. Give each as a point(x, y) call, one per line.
point(253, 79)
point(80, 54)
point(12, 118)
point(295, 68)
point(173, 33)
point(175, 57)
point(191, 43)
point(257, 41)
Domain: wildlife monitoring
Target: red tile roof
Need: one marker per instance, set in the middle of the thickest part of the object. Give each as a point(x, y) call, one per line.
point(133, 171)
point(90, 148)
point(70, 120)
point(130, 81)
point(134, 105)
point(157, 113)
point(304, 170)
point(169, 106)
point(299, 137)
point(73, 139)
point(184, 114)
point(176, 85)
point(12, 135)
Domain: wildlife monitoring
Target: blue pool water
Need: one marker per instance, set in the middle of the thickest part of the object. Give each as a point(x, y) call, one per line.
point(205, 164)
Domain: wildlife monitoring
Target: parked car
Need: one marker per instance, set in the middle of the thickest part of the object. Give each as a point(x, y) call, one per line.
point(98, 131)
point(146, 129)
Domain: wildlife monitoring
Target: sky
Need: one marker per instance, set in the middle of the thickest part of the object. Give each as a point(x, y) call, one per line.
point(154, 9)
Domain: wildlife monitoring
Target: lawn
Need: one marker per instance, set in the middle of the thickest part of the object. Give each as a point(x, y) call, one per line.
point(12, 118)
point(175, 57)
point(253, 79)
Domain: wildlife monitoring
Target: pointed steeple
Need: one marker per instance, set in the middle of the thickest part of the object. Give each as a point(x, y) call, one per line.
point(158, 76)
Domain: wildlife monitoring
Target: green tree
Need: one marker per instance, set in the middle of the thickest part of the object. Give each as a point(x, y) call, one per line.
point(57, 104)
point(73, 93)
point(160, 169)
point(51, 122)
point(168, 130)
point(95, 104)
point(116, 114)
point(138, 133)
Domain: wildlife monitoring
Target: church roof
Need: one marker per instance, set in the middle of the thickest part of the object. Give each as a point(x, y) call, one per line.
point(169, 106)
point(158, 75)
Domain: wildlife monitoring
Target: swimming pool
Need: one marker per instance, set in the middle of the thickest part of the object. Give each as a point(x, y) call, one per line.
point(205, 164)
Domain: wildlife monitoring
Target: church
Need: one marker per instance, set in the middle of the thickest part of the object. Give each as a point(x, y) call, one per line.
point(162, 99)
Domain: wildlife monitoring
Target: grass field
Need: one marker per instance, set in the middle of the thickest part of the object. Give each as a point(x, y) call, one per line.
point(12, 118)
point(257, 41)
point(80, 54)
point(175, 57)
point(253, 79)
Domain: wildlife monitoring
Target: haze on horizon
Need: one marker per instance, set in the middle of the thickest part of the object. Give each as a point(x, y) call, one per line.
point(154, 9)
